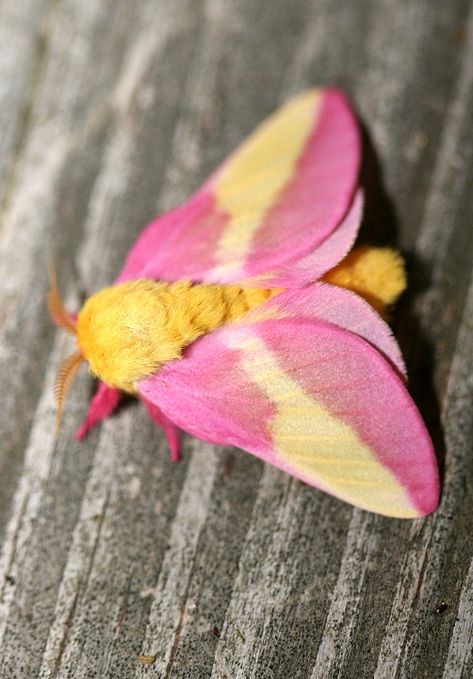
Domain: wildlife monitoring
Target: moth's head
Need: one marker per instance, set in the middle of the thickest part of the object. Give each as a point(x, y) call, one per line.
point(120, 332)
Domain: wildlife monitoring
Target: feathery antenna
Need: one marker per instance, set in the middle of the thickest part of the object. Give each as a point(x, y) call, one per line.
point(57, 310)
point(63, 382)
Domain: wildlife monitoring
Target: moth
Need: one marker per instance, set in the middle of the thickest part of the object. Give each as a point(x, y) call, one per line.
point(245, 318)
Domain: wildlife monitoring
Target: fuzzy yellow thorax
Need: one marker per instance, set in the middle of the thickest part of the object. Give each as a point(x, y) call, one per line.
point(130, 330)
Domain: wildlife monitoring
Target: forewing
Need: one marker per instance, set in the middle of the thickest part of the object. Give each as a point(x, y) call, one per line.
point(277, 198)
point(313, 399)
point(311, 267)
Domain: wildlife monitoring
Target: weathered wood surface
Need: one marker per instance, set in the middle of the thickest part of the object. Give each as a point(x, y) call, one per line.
point(220, 566)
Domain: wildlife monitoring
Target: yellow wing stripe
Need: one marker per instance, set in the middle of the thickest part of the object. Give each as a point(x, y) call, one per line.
point(251, 181)
point(311, 441)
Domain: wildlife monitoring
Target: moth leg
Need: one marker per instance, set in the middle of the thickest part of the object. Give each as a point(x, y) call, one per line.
point(169, 428)
point(102, 405)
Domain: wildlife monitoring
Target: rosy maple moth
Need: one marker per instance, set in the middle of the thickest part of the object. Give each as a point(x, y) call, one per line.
point(243, 318)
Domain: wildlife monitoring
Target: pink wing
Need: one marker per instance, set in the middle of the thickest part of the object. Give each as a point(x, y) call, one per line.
point(325, 302)
point(274, 201)
point(305, 270)
point(311, 398)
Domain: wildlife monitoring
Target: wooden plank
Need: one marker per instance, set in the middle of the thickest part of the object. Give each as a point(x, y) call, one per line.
point(219, 566)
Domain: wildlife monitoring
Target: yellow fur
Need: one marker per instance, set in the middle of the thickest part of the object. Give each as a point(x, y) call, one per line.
point(130, 330)
point(377, 274)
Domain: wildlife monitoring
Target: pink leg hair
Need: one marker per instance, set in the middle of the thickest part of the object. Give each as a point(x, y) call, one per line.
point(102, 405)
point(169, 428)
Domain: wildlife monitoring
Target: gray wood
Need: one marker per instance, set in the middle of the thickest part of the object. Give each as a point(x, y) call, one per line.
point(221, 567)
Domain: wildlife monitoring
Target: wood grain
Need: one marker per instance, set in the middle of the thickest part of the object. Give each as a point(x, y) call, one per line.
point(221, 567)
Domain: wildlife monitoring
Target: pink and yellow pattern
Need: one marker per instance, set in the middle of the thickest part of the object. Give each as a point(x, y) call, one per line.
point(313, 399)
point(276, 199)
point(311, 381)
